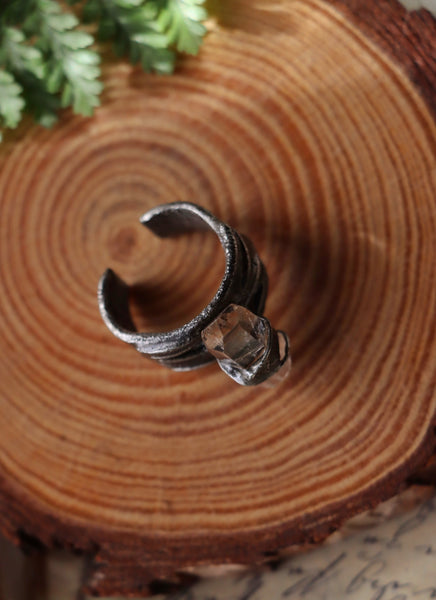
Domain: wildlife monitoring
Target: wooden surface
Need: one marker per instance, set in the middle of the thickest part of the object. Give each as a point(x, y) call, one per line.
point(394, 542)
point(298, 127)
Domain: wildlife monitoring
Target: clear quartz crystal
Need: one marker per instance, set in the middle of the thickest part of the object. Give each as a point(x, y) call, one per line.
point(237, 335)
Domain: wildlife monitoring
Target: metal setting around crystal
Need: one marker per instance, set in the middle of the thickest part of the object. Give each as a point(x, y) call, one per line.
point(231, 329)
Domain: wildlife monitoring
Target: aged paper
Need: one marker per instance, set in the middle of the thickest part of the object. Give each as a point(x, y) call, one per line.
point(417, 4)
point(395, 560)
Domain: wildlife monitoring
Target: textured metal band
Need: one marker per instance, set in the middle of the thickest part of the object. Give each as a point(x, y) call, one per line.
point(244, 283)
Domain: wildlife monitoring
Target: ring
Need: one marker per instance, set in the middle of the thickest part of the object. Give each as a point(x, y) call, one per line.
point(231, 329)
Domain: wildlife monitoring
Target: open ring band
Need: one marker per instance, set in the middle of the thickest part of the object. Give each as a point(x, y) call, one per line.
point(230, 328)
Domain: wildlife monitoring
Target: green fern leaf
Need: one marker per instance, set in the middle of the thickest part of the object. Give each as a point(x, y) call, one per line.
point(11, 100)
point(47, 60)
point(72, 67)
point(182, 22)
point(18, 55)
point(27, 65)
point(92, 11)
point(12, 12)
point(134, 26)
point(39, 102)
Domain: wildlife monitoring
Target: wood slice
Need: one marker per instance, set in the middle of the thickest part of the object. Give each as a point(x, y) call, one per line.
point(298, 126)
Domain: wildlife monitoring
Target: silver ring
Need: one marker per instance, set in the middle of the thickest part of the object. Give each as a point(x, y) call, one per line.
point(231, 329)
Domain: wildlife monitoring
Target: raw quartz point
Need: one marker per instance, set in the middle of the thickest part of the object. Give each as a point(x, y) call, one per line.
point(237, 335)
point(241, 342)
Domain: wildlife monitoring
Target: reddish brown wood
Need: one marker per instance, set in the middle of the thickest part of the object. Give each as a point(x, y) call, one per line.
point(408, 37)
point(300, 126)
point(426, 475)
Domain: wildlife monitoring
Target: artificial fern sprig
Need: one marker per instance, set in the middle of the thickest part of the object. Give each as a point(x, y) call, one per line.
point(182, 22)
point(47, 60)
point(71, 67)
point(26, 64)
point(133, 25)
point(11, 101)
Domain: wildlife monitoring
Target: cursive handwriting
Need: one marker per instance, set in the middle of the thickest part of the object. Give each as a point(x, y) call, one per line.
point(310, 581)
point(394, 561)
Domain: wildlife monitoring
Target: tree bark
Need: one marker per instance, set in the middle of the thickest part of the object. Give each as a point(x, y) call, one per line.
point(308, 126)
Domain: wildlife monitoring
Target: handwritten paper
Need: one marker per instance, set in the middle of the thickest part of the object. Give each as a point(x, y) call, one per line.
point(393, 561)
point(417, 4)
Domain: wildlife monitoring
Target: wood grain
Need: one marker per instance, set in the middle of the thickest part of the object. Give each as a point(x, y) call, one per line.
point(294, 127)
